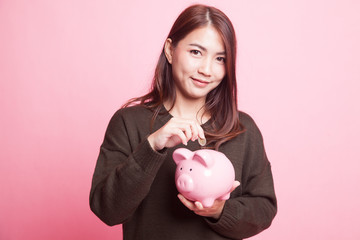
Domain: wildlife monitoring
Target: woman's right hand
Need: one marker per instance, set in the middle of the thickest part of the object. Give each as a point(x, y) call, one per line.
point(174, 132)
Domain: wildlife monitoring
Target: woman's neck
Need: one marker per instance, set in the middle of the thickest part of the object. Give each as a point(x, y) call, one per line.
point(188, 109)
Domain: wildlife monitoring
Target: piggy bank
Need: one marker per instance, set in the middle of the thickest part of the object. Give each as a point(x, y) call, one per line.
point(203, 175)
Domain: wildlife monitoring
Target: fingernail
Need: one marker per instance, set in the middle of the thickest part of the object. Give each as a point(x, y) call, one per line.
point(202, 141)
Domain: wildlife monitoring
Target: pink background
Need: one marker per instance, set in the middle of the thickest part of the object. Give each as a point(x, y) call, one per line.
point(67, 66)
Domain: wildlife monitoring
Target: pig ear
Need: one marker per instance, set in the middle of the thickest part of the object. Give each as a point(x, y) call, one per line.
point(181, 154)
point(205, 158)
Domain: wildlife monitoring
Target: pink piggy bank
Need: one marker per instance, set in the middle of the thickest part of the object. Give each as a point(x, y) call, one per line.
point(203, 175)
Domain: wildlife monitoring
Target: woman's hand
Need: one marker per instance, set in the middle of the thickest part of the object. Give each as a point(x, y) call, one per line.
point(174, 132)
point(214, 211)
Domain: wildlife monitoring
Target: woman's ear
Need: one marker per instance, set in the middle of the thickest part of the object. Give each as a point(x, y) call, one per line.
point(168, 49)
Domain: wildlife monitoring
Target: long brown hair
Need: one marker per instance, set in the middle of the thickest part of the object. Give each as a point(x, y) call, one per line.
point(221, 102)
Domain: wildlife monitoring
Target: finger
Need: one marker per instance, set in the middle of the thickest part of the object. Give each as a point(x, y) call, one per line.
point(185, 126)
point(199, 205)
point(198, 132)
point(191, 129)
point(188, 131)
point(178, 132)
point(187, 203)
point(201, 133)
point(195, 131)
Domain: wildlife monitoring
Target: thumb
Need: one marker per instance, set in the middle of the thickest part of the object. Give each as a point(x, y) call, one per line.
point(235, 185)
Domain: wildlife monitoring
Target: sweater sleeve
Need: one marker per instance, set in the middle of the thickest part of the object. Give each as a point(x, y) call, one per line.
point(253, 205)
point(123, 174)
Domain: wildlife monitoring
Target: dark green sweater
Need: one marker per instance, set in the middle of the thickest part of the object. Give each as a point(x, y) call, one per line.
point(134, 185)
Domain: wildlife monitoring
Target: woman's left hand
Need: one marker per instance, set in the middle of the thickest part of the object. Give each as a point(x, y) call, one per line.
point(214, 211)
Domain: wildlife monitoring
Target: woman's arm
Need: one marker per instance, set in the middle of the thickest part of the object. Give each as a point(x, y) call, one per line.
point(251, 213)
point(126, 169)
point(253, 204)
point(123, 173)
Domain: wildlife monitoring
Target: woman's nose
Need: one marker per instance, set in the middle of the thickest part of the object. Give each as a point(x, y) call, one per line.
point(205, 67)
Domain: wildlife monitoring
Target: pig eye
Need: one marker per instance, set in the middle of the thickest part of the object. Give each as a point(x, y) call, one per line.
point(190, 169)
point(181, 168)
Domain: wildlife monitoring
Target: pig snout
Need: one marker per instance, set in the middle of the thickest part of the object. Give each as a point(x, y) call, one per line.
point(185, 183)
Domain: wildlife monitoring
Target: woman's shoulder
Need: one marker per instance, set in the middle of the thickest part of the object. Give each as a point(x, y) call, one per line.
point(248, 123)
point(134, 112)
point(245, 118)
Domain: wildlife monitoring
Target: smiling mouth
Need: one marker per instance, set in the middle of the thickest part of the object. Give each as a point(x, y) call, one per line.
point(200, 81)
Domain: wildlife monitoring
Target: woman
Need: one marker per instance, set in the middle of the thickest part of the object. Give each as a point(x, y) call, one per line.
point(193, 96)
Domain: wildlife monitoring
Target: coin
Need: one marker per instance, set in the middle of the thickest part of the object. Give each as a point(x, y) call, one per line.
point(202, 141)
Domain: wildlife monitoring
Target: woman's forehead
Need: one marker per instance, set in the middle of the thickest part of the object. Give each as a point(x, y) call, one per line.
point(207, 38)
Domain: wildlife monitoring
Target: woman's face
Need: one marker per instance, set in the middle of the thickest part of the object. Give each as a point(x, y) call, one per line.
point(198, 63)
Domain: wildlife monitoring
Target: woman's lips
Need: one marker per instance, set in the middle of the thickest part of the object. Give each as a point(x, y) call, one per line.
point(199, 82)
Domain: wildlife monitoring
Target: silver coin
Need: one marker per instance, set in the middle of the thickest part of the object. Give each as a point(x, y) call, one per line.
point(202, 141)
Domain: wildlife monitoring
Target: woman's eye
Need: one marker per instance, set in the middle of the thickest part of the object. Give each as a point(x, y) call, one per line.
point(221, 59)
point(195, 52)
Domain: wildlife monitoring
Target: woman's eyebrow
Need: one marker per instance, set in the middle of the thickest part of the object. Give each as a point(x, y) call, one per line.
point(204, 49)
